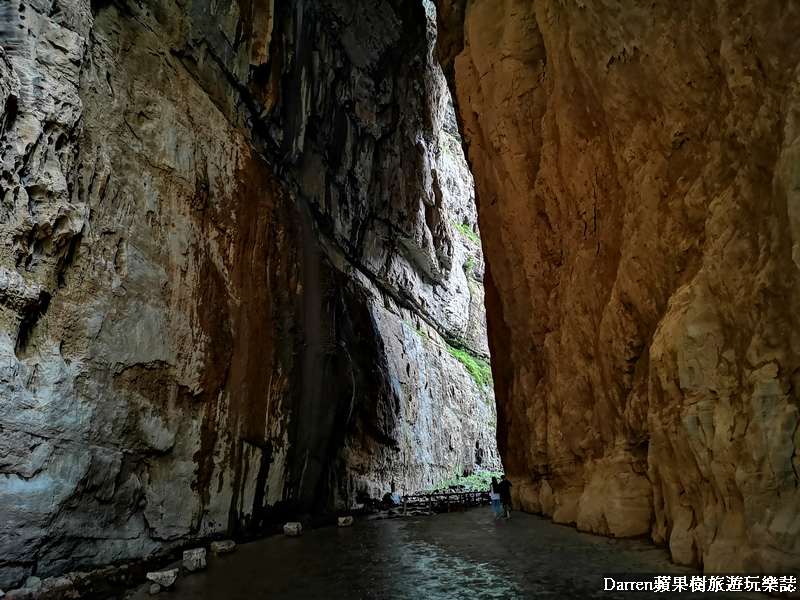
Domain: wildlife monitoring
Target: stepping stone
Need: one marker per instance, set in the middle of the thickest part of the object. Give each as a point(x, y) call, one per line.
point(194, 559)
point(164, 578)
point(292, 529)
point(223, 547)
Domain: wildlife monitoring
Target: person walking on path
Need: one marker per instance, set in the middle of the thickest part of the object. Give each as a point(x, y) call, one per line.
point(494, 494)
point(504, 489)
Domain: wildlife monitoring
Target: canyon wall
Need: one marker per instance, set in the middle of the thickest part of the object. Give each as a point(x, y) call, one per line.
point(637, 168)
point(240, 277)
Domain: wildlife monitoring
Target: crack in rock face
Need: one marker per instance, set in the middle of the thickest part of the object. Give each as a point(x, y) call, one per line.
point(240, 274)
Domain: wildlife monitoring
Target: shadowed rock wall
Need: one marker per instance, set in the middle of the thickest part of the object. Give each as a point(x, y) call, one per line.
point(230, 278)
point(638, 178)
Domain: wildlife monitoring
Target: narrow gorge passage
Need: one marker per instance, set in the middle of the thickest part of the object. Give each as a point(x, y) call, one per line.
point(246, 276)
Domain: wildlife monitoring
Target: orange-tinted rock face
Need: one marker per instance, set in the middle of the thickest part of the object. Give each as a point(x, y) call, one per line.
point(638, 181)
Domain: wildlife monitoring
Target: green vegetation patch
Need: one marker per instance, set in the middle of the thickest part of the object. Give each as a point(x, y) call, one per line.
point(480, 370)
point(467, 232)
point(468, 266)
point(478, 481)
point(415, 330)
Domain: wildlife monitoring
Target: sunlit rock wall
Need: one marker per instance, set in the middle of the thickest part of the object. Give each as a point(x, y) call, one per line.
point(228, 265)
point(638, 176)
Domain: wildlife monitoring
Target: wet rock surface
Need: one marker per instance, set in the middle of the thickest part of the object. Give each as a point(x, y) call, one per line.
point(194, 559)
point(460, 555)
point(164, 578)
point(223, 547)
point(293, 529)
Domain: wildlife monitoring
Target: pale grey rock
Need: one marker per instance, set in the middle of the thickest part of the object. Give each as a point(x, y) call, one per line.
point(293, 529)
point(15, 292)
point(54, 588)
point(136, 182)
point(164, 578)
point(33, 582)
point(154, 589)
point(223, 546)
point(194, 559)
point(345, 521)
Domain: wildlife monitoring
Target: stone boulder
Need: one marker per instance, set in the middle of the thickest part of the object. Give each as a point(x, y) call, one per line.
point(164, 578)
point(293, 529)
point(345, 521)
point(223, 547)
point(155, 589)
point(194, 559)
point(52, 588)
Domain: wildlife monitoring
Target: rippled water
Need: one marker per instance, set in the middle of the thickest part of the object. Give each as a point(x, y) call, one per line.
point(451, 556)
point(423, 570)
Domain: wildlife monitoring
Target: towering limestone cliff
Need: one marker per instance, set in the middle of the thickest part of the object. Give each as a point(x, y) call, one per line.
point(239, 272)
point(637, 168)
point(241, 277)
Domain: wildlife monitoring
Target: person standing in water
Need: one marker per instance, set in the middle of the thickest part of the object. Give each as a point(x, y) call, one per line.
point(504, 489)
point(494, 494)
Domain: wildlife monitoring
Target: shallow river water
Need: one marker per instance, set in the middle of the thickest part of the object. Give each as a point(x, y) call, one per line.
point(449, 556)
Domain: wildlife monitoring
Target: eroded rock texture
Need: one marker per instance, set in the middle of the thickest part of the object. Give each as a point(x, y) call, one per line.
point(638, 178)
point(229, 264)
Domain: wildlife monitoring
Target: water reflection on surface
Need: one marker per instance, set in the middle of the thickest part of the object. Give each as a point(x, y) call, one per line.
point(425, 571)
point(450, 556)
point(372, 559)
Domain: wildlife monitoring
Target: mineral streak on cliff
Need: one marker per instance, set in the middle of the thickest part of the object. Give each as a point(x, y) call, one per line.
point(237, 263)
point(237, 252)
point(638, 177)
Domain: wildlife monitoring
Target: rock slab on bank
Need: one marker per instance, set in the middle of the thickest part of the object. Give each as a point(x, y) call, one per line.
point(293, 529)
point(52, 588)
point(164, 578)
point(194, 559)
point(223, 547)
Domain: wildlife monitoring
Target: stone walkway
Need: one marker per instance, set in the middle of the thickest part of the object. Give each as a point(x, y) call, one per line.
point(450, 556)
